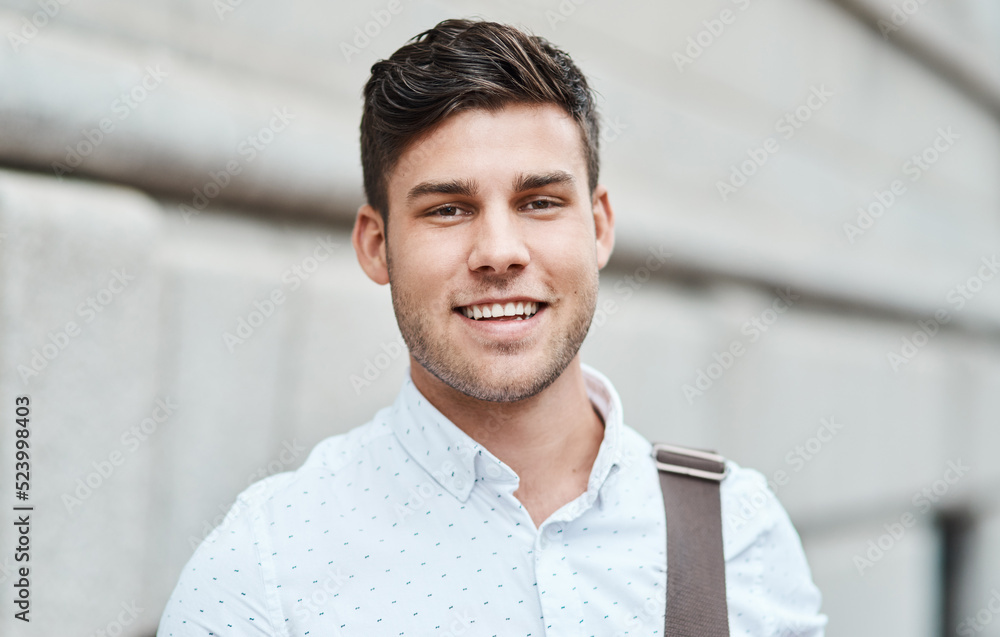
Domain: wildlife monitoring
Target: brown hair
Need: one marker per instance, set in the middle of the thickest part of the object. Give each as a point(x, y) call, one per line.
point(460, 65)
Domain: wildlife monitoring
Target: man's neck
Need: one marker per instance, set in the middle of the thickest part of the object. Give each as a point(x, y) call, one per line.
point(550, 440)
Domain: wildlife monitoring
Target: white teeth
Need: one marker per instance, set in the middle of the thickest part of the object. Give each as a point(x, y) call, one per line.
point(519, 310)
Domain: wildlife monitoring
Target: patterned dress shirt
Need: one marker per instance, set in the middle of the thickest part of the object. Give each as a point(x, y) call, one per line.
point(407, 526)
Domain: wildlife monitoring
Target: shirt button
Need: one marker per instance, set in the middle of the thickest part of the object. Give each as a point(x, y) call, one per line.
point(551, 534)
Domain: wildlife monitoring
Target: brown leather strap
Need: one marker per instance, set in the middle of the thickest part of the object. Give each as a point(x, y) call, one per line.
point(696, 569)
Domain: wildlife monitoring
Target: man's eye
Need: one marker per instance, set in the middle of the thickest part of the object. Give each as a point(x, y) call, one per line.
point(446, 211)
point(540, 204)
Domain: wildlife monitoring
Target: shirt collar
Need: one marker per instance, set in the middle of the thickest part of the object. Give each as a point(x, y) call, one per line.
point(457, 462)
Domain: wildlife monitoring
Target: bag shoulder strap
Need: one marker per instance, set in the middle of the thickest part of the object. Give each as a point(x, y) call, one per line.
point(696, 568)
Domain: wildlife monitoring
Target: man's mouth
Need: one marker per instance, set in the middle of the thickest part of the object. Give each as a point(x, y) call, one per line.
point(509, 311)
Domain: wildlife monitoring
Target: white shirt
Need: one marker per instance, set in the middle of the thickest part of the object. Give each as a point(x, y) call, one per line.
point(407, 526)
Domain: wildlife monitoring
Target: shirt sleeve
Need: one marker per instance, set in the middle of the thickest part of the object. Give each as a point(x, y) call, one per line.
point(221, 590)
point(769, 584)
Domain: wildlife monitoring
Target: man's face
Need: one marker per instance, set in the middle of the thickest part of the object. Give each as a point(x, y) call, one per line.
point(495, 249)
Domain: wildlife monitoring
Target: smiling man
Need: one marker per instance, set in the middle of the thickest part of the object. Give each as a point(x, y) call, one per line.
point(493, 262)
point(502, 493)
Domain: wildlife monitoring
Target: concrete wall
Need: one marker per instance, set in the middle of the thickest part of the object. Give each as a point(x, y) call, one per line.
point(146, 422)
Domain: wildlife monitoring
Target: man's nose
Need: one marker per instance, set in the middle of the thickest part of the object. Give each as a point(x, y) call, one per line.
point(498, 242)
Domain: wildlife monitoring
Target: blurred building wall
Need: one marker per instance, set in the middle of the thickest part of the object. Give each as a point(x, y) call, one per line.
point(178, 182)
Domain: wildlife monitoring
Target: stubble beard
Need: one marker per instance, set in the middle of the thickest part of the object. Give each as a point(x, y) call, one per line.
point(442, 359)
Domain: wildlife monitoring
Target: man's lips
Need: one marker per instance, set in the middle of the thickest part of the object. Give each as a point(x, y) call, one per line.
point(501, 309)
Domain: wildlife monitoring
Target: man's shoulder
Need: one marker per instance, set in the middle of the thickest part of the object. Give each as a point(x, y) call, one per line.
point(239, 551)
point(749, 507)
point(739, 480)
point(337, 458)
point(334, 453)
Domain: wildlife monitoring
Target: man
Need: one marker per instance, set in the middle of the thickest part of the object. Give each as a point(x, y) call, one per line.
point(501, 494)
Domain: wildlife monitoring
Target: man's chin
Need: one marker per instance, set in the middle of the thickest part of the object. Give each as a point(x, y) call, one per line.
point(505, 394)
point(489, 386)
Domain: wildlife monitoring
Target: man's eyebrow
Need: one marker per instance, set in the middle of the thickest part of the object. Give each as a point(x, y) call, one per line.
point(463, 187)
point(530, 182)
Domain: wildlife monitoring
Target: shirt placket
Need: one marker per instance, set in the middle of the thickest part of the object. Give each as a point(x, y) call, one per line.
point(562, 610)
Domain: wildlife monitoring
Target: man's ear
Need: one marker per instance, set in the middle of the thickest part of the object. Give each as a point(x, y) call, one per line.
point(368, 238)
point(604, 225)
